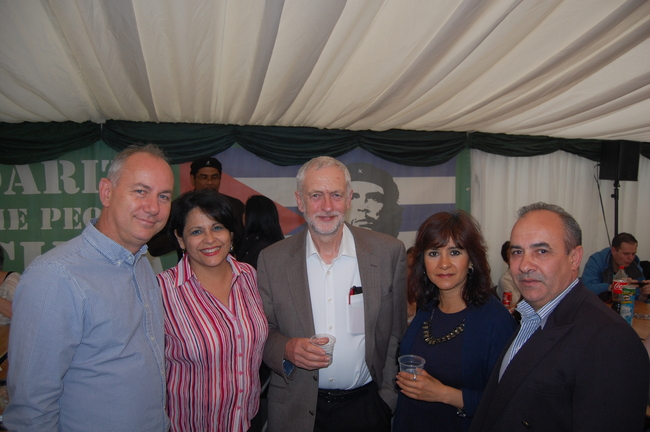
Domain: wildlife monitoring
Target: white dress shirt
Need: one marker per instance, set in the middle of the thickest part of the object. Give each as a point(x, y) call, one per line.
point(333, 308)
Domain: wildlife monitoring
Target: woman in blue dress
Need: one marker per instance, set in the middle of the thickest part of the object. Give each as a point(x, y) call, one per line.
point(460, 327)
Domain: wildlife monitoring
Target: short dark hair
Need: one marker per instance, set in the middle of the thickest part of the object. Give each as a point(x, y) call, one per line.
point(572, 231)
point(262, 219)
point(204, 161)
point(362, 171)
point(623, 238)
point(211, 202)
point(465, 232)
point(505, 251)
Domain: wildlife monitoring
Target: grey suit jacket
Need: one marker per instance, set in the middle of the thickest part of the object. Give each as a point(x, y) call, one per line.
point(586, 370)
point(283, 285)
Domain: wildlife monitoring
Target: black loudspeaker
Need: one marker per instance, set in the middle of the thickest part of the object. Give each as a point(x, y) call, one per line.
point(619, 160)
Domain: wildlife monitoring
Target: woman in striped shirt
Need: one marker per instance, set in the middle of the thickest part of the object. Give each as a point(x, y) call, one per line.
point(215, 327)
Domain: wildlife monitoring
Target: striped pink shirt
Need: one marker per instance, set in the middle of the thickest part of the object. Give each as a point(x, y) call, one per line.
point(213, 353)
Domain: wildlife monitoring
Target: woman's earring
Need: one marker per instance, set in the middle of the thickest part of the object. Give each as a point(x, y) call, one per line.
point(470, 270)
point(231, 248)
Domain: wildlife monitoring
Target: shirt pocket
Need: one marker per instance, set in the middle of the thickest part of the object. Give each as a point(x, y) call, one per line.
point(356, 323)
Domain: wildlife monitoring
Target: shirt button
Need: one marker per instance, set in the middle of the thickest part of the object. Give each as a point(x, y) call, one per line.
point(331, 379)
point(330, 327)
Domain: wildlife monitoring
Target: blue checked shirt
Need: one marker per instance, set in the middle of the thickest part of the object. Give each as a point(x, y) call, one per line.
point(86, 345)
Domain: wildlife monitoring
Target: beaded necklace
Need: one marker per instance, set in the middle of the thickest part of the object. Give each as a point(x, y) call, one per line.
point(426, 329)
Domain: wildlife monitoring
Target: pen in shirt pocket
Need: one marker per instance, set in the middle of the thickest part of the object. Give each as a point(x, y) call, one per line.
point(354, 291)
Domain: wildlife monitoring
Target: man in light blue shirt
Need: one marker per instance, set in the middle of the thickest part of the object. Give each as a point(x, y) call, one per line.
point(86, 346)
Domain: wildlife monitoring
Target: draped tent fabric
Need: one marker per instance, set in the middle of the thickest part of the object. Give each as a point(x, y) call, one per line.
point(22, 143)
point(416, 82)
point(567, 69)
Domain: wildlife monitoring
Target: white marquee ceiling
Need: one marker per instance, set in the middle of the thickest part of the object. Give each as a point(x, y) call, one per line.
point(573, 68)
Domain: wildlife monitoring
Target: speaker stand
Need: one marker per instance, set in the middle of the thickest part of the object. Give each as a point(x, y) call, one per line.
point(617, 185)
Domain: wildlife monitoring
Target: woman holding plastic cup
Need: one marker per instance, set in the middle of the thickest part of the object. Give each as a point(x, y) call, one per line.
point(215, 327)
point(460, 327)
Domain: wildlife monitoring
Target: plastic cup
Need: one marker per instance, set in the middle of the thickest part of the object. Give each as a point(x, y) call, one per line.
point(411, 364)
point(325, 341)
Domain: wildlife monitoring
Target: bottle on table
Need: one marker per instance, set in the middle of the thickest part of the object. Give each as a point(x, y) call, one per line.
point(627, 303)
point(619, 281)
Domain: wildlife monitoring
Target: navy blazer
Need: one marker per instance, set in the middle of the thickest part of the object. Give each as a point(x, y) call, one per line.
point(586, 370)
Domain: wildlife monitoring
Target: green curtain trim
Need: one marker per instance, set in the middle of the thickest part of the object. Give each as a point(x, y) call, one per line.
point(22, 143)
point(464, 181)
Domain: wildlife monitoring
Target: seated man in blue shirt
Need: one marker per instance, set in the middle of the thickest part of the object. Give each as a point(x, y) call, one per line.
point(87, 340)
point(602, 266)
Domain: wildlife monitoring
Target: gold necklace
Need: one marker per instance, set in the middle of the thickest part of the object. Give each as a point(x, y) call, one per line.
point(426, 329)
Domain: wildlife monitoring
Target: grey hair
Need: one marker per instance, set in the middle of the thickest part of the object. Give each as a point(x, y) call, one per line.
point(572, 231)
point(322, 162)
point(115, 170)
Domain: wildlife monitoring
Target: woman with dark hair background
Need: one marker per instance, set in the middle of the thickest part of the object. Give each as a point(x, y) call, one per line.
point(215, 327)
point(262, 228)
point(460, 327)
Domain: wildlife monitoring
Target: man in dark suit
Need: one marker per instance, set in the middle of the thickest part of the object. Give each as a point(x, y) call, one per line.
point(337, 279)
point(574, 364)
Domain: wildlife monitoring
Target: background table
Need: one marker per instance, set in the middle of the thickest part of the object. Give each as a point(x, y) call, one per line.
point(642, 326)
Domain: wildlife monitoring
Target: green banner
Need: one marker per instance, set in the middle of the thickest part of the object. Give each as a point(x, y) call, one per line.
point(47, 203)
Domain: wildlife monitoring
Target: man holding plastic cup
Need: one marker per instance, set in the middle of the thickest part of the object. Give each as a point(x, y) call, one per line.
point(341, 280)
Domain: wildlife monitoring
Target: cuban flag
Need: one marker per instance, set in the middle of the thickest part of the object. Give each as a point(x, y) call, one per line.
point(388, 197)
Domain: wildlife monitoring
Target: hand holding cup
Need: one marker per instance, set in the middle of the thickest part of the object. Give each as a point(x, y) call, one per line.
point(326, 342)
point(411, 364)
